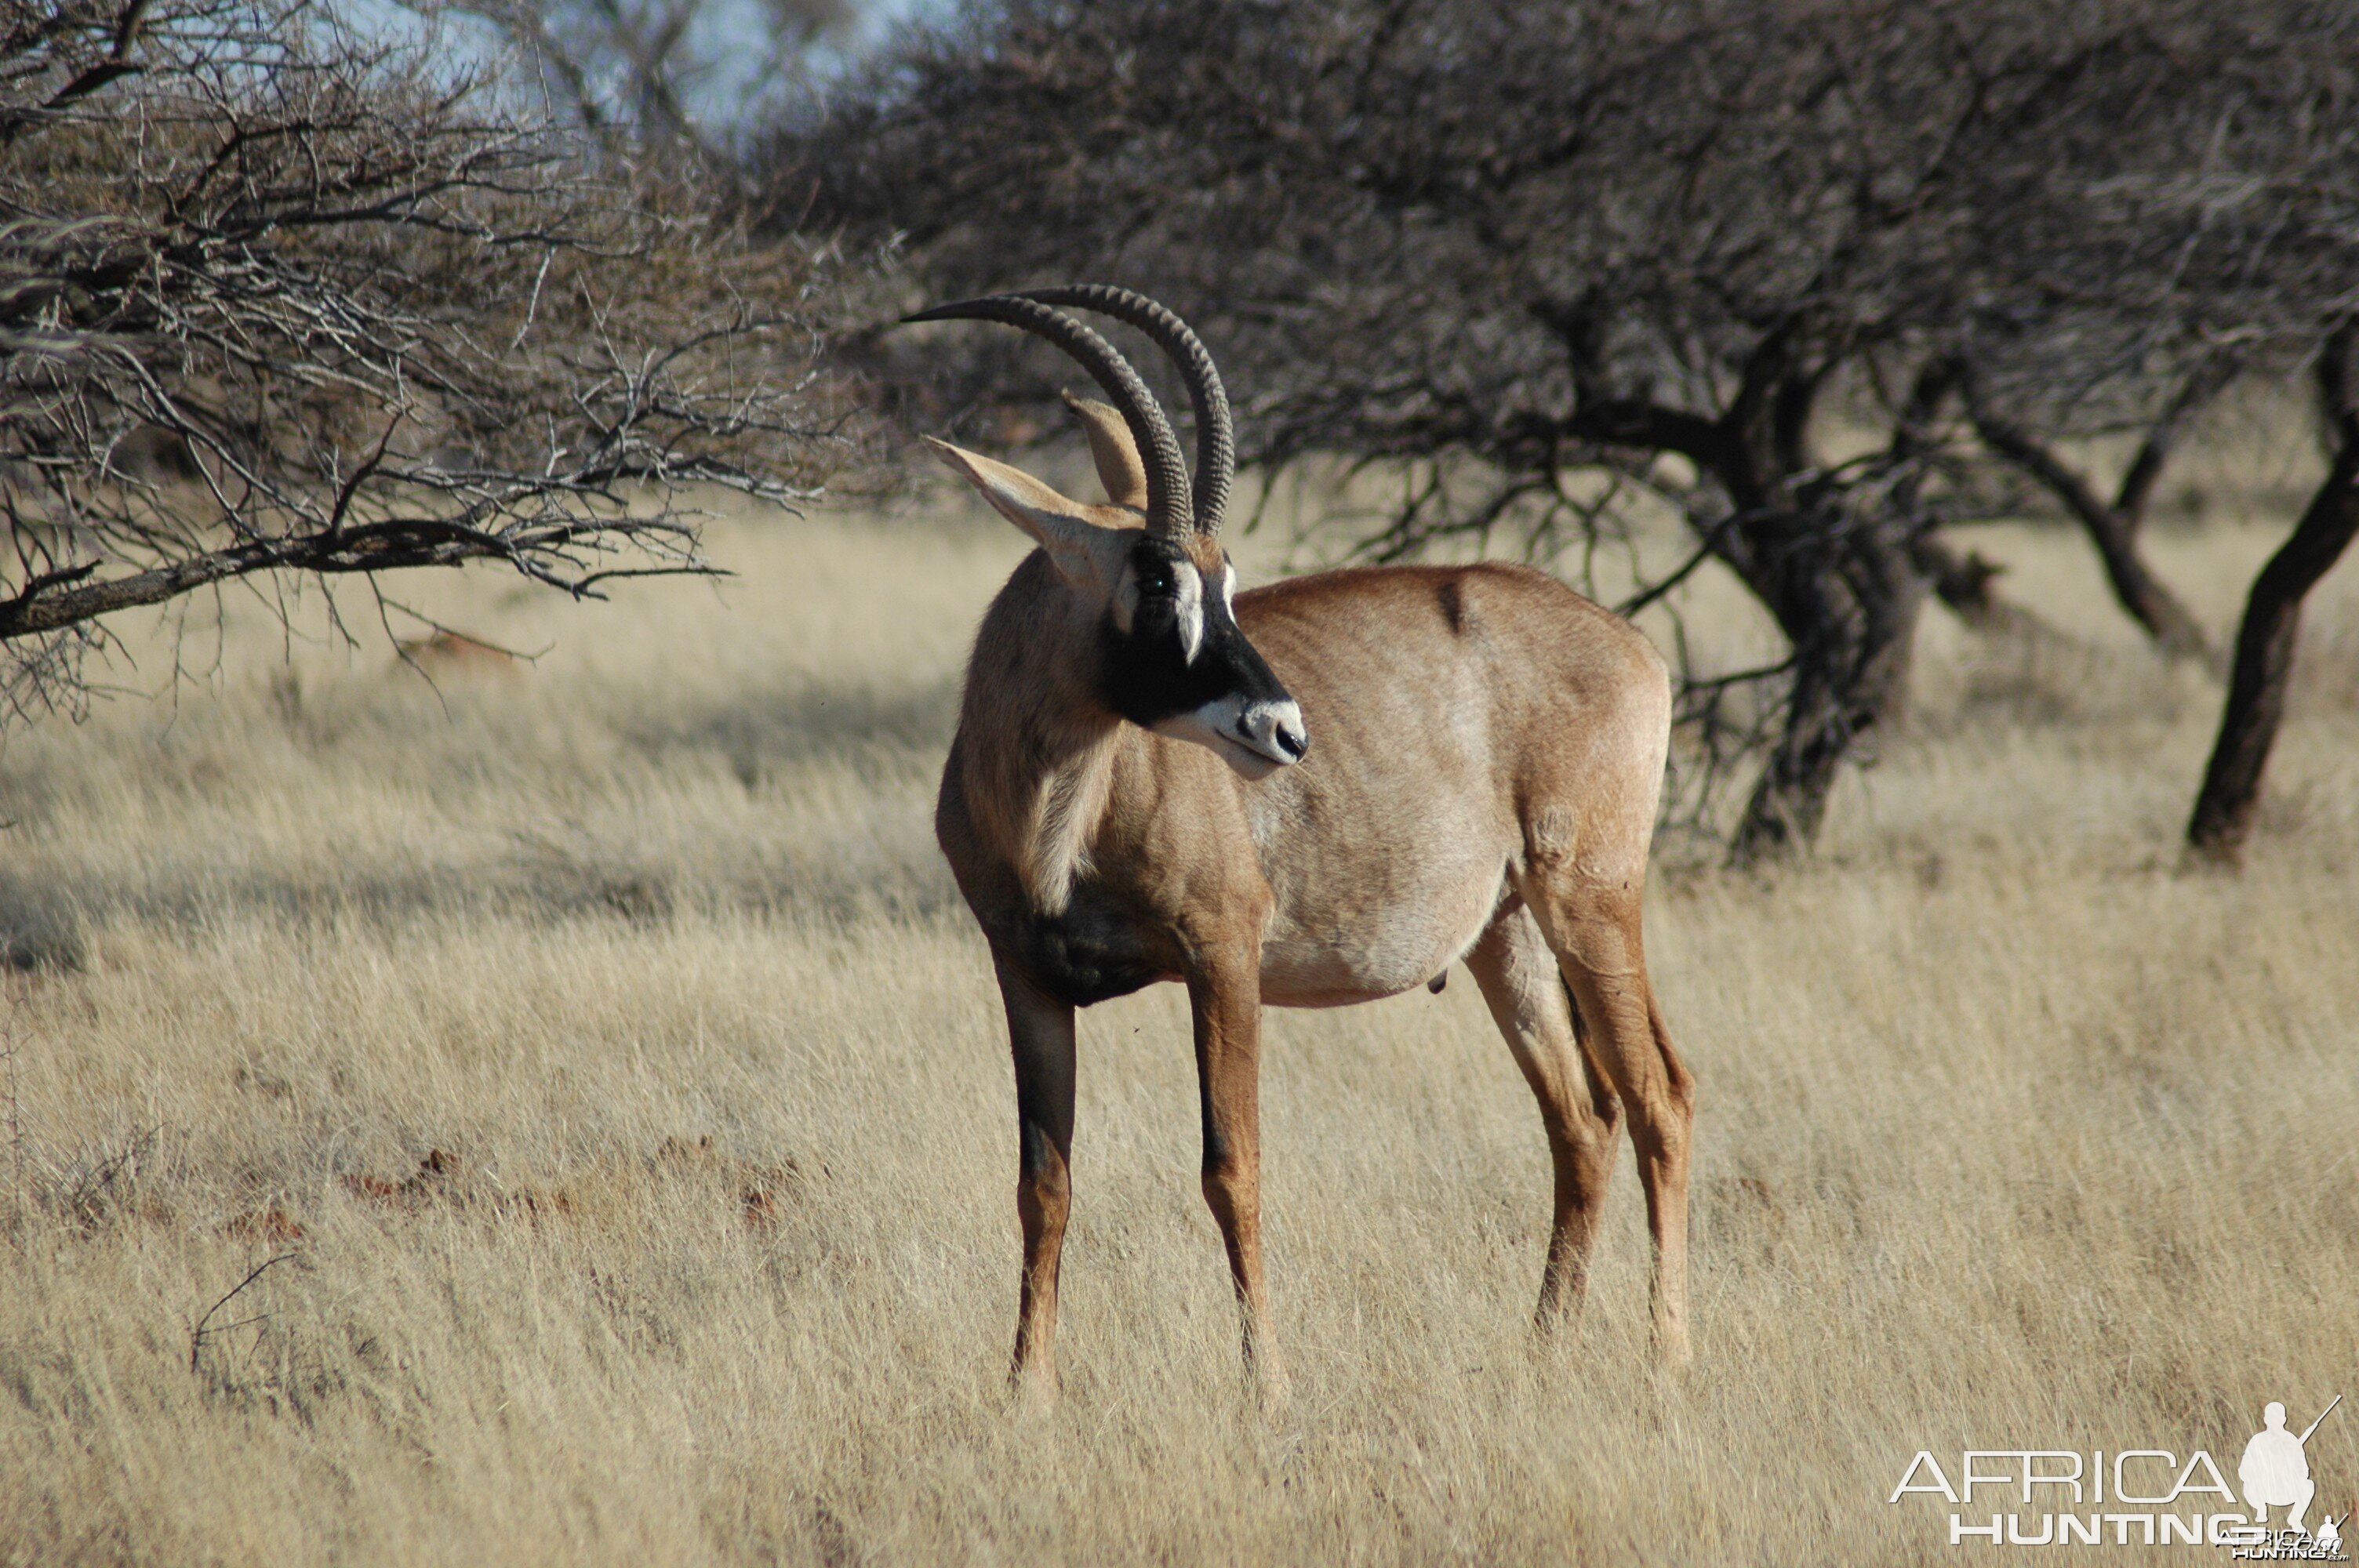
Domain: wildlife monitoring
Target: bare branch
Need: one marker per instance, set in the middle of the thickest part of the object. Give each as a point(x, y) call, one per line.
point(203, 1327)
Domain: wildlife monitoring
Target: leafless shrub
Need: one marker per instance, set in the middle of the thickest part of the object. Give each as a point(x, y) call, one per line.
point(98, 1184)
point(278, 299)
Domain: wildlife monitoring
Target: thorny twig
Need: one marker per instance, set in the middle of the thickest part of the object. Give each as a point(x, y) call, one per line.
point(11, 1045)
point(197, 1335)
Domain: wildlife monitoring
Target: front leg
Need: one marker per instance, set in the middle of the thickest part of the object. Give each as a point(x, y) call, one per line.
point(1224, 995)
point(1040, 1033)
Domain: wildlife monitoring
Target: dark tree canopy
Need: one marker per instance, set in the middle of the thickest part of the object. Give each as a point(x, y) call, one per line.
point(1512, 241)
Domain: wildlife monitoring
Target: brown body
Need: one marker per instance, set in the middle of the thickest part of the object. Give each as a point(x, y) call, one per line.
point(1494, 808)
point(1322, 793)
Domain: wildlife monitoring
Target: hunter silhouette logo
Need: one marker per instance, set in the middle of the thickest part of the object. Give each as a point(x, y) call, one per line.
point(2276, 1470)
point(2275, 1473)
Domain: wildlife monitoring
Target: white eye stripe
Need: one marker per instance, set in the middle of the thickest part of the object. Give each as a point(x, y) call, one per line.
point(1229, 588)
point(1191, 609)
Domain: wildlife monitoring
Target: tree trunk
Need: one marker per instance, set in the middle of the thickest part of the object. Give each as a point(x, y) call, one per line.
point(1847, 594)
point(2149, 603)
point(2113, 529)
point(2264, 670)
point(1844, 585)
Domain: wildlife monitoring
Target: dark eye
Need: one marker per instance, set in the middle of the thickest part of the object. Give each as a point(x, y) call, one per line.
point(1156, 580)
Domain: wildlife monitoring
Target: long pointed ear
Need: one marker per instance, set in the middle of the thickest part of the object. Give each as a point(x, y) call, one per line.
point(1084, 552)
point(1116, 455)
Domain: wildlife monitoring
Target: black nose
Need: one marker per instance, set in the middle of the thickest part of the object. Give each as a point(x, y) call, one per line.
point(1293, 743)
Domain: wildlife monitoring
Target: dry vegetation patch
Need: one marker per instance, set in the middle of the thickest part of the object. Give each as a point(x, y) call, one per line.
point(601, 1048)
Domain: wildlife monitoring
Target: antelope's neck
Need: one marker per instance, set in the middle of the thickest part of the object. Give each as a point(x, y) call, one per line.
point(1058, 807)
point(1036, 747)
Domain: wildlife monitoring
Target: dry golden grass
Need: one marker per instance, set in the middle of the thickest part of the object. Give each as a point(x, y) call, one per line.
point(603, 1045)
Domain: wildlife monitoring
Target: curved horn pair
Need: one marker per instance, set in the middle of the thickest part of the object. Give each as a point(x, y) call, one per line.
point(1171, 507)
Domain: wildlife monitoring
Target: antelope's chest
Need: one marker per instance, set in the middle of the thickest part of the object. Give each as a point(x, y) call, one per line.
point(1097, 946)
point(1095, 949)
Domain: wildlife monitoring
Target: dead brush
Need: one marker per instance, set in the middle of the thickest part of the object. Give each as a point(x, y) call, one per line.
point(100, 1183)
point(758, 1192)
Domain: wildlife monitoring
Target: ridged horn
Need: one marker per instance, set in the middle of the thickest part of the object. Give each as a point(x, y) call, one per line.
point(1216, 444)
point(1169, 509)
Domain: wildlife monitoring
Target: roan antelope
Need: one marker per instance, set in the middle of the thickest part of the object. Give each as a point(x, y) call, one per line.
point(1322, 792)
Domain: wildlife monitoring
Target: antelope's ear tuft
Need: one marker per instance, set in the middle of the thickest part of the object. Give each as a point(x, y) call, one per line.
point(1112, 450)
point(1083, 552)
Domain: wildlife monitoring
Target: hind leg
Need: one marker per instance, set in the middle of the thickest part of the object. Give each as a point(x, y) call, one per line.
point(1593, 927)
point(1520, 980)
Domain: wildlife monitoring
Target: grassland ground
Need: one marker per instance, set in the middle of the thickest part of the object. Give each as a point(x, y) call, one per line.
point(598, 1046)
